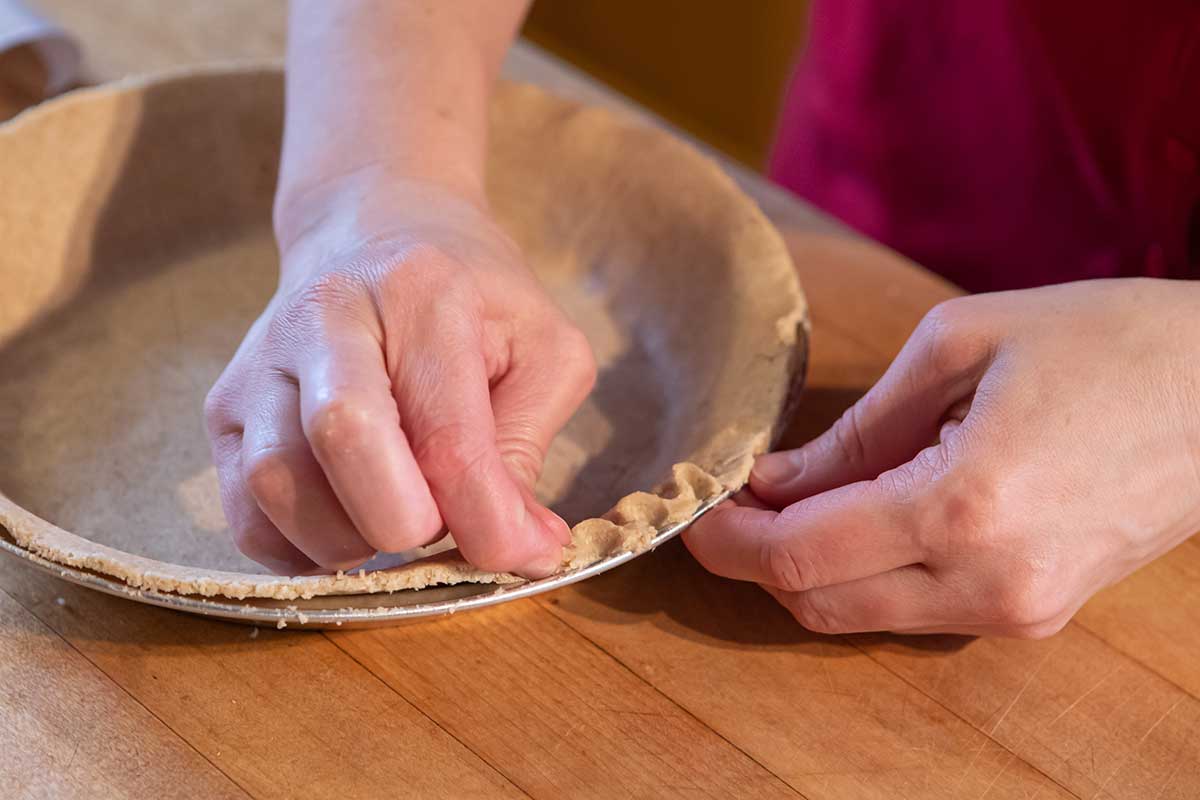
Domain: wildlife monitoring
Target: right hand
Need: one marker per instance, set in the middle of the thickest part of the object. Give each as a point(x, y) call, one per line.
point(407, 376)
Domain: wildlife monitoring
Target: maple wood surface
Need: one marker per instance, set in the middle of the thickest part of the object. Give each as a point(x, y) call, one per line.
point(654, 680)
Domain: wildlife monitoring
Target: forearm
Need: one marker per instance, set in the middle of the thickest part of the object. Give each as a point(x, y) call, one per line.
point(398, 88)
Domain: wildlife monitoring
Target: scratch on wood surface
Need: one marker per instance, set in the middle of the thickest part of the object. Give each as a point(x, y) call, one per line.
point(988, 734)
point(629, 712)
point(823, 661)
point(834, 692)
point(943, 665)
point(971, 764)
point(1083, 696)
point(1170, 777)
point(920, 773)
point(1131, 696)
point(1003, 769)
point(1133, 750)
point(1020, 693)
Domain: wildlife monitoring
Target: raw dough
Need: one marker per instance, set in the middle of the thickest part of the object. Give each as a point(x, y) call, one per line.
point(137, 250)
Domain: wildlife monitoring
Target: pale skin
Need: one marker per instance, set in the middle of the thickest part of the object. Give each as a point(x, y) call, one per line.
point(410, 371)
point(1024, 450)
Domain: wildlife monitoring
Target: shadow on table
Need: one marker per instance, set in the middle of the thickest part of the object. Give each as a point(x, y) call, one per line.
point(82, 615)
point(671, 589)
point(689, 602)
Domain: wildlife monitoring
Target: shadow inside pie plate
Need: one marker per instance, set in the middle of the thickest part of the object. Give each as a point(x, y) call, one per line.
point(138, 249)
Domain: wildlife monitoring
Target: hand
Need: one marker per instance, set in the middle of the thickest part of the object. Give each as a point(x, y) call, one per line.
point(1025, 450)
point(409, 373)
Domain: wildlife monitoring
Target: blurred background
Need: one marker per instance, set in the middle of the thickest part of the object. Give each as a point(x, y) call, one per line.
point(716, 69)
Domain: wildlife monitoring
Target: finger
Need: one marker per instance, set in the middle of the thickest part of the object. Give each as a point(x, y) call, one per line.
point(253, 533)
point(351, 421)
point(289, 486)
point(954, 418)
point(842, 535)
point(442, 392)
point(556, 525)
point(898, 416)
point(550, 375)
point(749, 499)
point(909, 598)
point(1040, 631)
point(534, 399)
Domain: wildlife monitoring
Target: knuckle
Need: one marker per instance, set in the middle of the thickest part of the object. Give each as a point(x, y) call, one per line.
point(339, 426)
point(333, 295)
point(523, 455)
point(1041, 630)
point(577, 356)
point(964, 514)
point(449, 451)
point(270, 478)
point(333, 289)
point(425, 255)
point(953, 343)
point(426, 271)
point(811, 613)
point(1026, 600)
point(784, 569)
point(217, 410)
point(848, 438)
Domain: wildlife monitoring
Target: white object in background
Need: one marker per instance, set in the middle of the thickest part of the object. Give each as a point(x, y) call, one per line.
point(19, 25)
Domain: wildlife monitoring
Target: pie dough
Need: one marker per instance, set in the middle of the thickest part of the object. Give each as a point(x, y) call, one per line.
point(135, 220)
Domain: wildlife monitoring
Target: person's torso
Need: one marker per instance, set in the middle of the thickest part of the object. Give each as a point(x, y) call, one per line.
point(1004, 143)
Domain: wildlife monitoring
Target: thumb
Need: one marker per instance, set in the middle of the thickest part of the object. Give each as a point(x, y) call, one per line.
point(533, 401)
point(938, 367)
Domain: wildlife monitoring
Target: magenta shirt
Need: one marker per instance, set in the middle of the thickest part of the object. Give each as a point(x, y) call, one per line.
point(1004, 143)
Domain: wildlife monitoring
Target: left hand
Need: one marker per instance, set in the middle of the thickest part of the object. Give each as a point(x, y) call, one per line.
point(1025, 450)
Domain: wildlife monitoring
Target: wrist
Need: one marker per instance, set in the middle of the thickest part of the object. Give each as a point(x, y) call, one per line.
point(360, 203)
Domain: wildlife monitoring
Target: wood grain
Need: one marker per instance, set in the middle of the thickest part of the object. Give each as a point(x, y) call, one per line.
point(555, 714)
point(67, 730)
point(1153, 616)
point(1097, 722)
point(654, 680)
point(814, 710)
point(282, 714)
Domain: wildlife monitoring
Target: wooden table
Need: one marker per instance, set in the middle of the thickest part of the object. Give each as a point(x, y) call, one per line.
point(654, 680)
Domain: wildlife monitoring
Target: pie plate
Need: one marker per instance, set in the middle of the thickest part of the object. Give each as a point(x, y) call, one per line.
point(138, 249)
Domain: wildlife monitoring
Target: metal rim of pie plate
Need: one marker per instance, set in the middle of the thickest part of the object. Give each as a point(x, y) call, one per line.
point(341, 611)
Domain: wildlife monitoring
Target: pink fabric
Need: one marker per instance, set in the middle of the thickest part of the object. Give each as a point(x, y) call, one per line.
point(1004, 143)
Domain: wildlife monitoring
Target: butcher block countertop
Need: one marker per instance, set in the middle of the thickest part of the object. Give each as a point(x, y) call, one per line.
point(654, 680)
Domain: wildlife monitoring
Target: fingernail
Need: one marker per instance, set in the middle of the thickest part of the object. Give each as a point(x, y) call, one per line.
point(776, 469)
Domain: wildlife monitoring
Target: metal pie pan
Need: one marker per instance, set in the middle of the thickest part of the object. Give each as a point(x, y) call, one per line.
point(341, 611)
point(146, 251)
